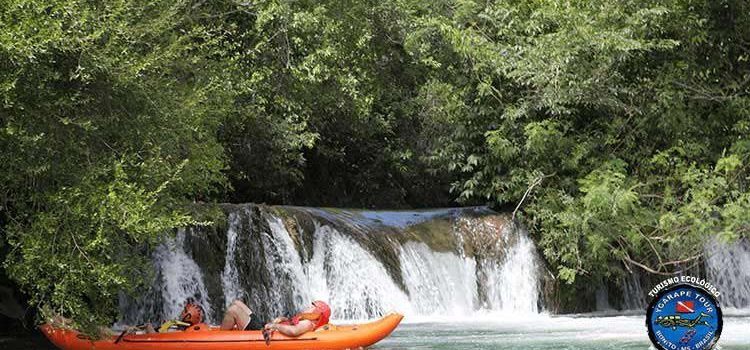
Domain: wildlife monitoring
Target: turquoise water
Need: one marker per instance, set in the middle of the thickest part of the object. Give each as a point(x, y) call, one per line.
point(543, 332)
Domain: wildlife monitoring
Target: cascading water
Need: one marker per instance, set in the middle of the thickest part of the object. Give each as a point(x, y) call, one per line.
point(424, 263)
point(177, 278)
point(230, 278)
point(728, 268)
point(634, 296)
point(725, 264)
point(181, 277)
point(284, 263)
point(442, 283)
point(513, 283)
point(357, 285)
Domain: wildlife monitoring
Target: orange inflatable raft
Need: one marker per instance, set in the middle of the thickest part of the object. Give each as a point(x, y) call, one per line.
point(203, 337)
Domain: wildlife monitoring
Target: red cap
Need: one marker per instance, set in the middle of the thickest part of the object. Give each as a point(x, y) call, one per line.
point(324, 310)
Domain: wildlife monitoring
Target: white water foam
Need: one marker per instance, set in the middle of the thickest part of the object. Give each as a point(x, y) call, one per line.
point(357, 285)
point(284, 262)
point(230, 280)
point(352, 280)
point(513, 284)
point(181, 277)
point(315, 271)
point(438, 283)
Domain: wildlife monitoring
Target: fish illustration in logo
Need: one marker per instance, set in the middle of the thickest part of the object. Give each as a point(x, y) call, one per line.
point(674, 321)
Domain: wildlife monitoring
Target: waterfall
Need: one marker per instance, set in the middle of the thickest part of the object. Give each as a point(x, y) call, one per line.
point(284, 263)
point(230, 279)
point(725, 264)
point(513, 283)
point(728, 268)
point(357, 285)
point(446, 262)
point(441, 284)
point(181, 277)
point(634, 297)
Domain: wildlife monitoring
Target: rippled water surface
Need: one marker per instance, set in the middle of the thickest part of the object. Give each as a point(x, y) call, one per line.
point(543, 332)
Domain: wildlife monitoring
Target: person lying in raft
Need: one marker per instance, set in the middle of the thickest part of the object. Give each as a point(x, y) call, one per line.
point(192, 314)
point(240, 317)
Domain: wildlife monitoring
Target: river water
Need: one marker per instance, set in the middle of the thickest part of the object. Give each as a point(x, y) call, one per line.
point(544, 332)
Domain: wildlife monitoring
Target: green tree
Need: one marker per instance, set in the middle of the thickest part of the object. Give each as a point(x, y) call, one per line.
point(107, 129)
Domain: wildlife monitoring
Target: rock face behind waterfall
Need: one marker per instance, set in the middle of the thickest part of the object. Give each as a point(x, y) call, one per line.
point(443, 262)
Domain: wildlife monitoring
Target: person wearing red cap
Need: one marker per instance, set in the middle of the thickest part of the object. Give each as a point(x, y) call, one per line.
point(308, 320)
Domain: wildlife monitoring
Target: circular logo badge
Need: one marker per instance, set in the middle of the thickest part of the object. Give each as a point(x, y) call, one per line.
point(684, 317)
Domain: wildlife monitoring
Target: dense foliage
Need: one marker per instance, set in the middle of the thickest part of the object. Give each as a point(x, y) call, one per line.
point(617, 130)
point(621, 128)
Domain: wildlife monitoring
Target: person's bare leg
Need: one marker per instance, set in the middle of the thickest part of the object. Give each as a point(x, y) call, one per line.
point(237, 316)
point(242, 306)
point(232, 318)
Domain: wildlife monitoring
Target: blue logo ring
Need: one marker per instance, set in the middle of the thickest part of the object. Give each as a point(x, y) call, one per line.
point(684, 317)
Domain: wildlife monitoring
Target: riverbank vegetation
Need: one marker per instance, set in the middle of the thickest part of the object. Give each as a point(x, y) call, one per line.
point(617, 131)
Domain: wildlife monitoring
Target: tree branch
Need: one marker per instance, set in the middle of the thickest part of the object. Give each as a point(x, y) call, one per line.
point(648, 269)
point(536, 182)
point(75, 243)
point(677, 262)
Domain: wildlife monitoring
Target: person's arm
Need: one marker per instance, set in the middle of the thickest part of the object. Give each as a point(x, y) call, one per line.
point(301, 328)
point(280, 319)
